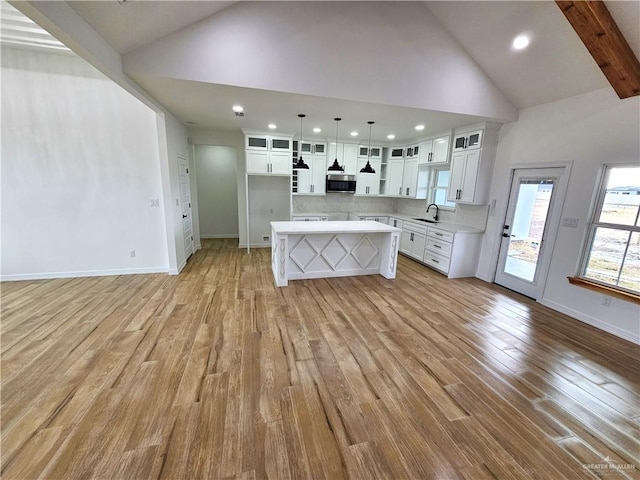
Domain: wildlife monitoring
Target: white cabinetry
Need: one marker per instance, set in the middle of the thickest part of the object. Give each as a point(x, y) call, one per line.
point(453, 254)
point(311, 181)
point(368, 183)
point(395, 169)
point(463, 176)
point(347, 155)
point(467, 139)
point(395, 222)
point(376, 152)
point(370, 218)
point(472, 165)
point(410, 178)
point(309, 218)
point(413, 240)
point(267, 154)
point(434, 151)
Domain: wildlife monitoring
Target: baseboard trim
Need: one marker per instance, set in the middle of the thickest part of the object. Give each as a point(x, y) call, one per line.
point(594, 322)
point(484, 278)
point(221, 235)
point(84, 273)
point(182, 265)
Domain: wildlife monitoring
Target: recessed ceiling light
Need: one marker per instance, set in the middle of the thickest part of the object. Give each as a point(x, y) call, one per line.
point(354, 134)
point(191, 122)
point(419, 127)
point(391, 136)
point(237, 108)
point(272, 126)
point(317, 130)
point(520, 42)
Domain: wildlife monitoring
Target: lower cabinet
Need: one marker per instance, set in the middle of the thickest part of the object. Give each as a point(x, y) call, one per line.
point(413, 240)
point(312, 218)
point(453, 254)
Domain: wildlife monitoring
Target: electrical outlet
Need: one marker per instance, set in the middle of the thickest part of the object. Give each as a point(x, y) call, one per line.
point(155, 202)
point(132, 254)
point(606, 301)
point(265, 238)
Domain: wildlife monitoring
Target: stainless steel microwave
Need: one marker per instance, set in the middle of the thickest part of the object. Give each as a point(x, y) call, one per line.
point(341, 183)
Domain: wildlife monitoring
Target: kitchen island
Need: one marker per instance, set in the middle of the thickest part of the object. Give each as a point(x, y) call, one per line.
point(302, 250)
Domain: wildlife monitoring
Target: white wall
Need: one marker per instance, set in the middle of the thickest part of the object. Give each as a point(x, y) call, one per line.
point(269, 201)
point(587, 131)
point(173, 144)
point(216, 174)
point(80, 164)
point(391, 53)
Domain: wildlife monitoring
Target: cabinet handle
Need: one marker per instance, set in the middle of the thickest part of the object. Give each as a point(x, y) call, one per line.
point(438, 234)
point(437, 246)
point(407, 191)
point(400, 191)
point(411, 239)
point(434, 260)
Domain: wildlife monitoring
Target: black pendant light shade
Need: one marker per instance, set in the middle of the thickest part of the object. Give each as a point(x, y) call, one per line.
point(368, 168)
point(335, 166)
point(300, 165)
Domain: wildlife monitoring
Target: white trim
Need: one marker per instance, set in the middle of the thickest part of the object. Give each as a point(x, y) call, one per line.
point(594, 322)
point(181, 266)
point(84, 273)
point(219, 235)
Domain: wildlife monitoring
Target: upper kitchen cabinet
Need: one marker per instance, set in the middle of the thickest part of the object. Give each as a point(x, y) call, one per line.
point(376, 152)
point(434, 151)
point(268, 154)
point(393, 178)
point(368, 183)
point(471, 167)
point(411, 151)
point(467, 140)
point(311, 181)
point(347, 155)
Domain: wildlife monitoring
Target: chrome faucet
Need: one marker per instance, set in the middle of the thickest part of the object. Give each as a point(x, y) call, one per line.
point(435, 217)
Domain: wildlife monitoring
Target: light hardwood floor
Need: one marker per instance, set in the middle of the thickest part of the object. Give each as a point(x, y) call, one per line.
point(216, 373)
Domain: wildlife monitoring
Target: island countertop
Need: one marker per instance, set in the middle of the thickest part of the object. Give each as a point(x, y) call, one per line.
point(292, 228)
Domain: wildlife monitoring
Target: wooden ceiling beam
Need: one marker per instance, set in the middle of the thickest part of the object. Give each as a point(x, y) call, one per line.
point(598, 31)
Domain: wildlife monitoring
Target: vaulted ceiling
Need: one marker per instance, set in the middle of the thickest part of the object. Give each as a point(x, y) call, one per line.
point(442, 64)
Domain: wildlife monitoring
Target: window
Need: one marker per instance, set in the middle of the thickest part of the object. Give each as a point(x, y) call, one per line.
point(612, 257)
point(439, 185)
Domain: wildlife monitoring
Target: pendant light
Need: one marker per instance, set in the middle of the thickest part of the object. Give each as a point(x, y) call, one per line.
point(367, 168)
point(300, 165)
point(335, 166)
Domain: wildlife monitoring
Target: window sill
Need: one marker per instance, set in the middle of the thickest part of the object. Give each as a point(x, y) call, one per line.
point(605, 290)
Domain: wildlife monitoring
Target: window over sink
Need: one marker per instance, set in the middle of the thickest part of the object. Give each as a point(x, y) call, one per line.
point(439, 183)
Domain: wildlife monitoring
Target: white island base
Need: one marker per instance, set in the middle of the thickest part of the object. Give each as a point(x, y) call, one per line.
point(302, 250)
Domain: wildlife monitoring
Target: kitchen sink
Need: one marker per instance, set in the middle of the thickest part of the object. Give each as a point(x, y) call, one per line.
point(425, 220)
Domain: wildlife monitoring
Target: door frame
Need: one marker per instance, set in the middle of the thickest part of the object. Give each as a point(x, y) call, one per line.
point(187, 253)
point(553, 221)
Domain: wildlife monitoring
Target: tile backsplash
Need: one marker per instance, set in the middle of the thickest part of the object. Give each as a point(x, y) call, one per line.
point(468, 215)
point(336, 204)
point(342, 203)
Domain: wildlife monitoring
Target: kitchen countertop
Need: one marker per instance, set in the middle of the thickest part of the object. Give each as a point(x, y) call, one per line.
point(293, 228)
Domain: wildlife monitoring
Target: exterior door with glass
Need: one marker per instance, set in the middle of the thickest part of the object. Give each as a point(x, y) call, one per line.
point(523, 252)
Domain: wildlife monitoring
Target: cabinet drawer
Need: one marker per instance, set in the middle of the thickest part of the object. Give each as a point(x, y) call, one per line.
point(436, 261)
point(414, 227)
point(441, 235)
point(439, 246)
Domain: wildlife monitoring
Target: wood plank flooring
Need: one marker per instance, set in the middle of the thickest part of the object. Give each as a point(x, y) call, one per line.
point(216, 373)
